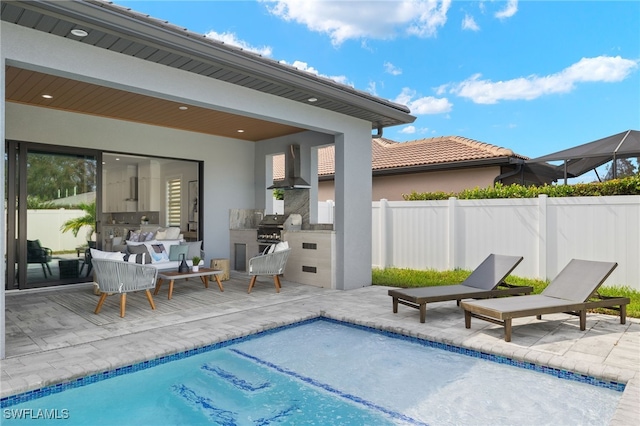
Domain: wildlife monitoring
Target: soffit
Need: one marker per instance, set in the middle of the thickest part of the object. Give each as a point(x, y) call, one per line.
point(27, 87)
point(127, 32)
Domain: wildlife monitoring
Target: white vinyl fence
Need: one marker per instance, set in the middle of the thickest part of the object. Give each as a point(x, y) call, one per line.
point(547, 232)
point(44, 225)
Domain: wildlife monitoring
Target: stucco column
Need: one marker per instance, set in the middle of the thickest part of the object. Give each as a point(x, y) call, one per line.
point(353, 210)
point(3, 230)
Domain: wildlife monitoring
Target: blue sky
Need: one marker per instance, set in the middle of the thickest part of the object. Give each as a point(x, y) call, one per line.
point(533, 76)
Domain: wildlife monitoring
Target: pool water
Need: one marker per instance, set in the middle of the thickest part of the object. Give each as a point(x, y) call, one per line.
point(327, 373)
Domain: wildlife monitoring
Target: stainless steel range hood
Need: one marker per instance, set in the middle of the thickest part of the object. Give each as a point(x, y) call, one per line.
point(292, 179)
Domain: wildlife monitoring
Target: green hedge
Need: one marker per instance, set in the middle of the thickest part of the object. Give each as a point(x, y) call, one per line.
point(625, 186)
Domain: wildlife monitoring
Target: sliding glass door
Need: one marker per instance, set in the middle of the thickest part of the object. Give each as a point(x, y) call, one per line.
point(51, 203)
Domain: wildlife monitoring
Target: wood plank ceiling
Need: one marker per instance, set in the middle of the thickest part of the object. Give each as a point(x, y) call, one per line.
point(28, 87)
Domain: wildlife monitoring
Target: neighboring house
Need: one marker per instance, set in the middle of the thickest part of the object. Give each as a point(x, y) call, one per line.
point(444, 163)
point(118, 81)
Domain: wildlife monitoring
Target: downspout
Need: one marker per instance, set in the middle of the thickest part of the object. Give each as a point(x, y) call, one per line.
point(518, 169)
point(379, 134)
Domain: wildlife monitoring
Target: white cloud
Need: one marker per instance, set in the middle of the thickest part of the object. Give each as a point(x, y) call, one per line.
point(468, 23)
point(411, 130)
point(510, 9)
point(607, 69)
point(372, 88)
point(425, 105)
point(303, 66)
point(392, 69)
point(232, 39)
point(345, 20)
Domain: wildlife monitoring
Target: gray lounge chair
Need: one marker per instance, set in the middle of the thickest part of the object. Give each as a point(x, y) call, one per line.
point(487, 280)
point(573, 291)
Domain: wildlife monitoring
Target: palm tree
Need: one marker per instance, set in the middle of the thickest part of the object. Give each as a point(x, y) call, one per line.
point(89, 219)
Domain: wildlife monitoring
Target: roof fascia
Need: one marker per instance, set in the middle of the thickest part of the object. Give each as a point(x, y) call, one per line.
point(99, 16)
point(457, 165)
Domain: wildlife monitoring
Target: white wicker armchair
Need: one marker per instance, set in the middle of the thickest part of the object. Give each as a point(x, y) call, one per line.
point(115, 276)
point(268, 264)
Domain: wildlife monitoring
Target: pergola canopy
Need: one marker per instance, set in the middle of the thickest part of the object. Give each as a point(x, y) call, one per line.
point(583, 158)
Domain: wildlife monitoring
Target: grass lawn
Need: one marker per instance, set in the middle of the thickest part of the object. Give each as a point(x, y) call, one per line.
point(396, 277)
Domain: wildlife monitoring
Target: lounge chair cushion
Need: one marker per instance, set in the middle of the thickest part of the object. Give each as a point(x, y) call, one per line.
point(99, 254)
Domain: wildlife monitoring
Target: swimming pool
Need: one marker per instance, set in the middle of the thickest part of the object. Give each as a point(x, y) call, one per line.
point(324, 372)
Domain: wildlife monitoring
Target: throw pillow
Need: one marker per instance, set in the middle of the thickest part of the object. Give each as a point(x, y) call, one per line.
point(194, 248)
point(135, 258)
point(283, 245)
point(147, 236)
point(173, 233)
point(139, 249)
point(176, 250)
point(161, 234)
point(158, 254)
point(134, 236)
point(99, 254)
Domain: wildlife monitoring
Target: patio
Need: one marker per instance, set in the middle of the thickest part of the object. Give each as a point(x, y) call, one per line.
point(53, 335)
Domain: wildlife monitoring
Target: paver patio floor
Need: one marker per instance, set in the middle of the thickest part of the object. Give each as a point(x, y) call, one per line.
point(53, 335)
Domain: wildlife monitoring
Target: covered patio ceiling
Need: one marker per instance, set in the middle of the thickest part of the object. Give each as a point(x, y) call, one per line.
point(29, 88)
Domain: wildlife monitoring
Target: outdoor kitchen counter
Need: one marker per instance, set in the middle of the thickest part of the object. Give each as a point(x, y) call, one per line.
point(243, 246)
point(312, 258)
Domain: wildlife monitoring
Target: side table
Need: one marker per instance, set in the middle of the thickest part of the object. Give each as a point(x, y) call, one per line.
point(223, 265)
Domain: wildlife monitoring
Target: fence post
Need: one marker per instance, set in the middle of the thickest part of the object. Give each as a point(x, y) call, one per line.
point(542, 236)
point(384, 205)
point(451, 243)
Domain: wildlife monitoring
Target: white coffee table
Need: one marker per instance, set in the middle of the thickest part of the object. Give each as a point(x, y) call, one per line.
point(203, 273)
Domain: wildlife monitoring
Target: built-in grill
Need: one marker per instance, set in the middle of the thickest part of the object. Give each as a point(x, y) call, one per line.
point(270, 229)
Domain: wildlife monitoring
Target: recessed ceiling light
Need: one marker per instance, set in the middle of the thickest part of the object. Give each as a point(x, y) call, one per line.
point(312, 99)
point(117, 159)
point(79, 32)
point(240, 131)
point(47, 96)
point(183, 108)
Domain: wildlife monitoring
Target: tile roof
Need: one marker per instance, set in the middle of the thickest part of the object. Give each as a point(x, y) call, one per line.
point(389, 155)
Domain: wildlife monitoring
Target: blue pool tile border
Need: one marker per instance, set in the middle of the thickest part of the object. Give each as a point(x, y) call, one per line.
point(31, 395)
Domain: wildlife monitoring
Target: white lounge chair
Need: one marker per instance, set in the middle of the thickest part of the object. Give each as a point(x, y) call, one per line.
point(116, 276)
point(271, 264)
